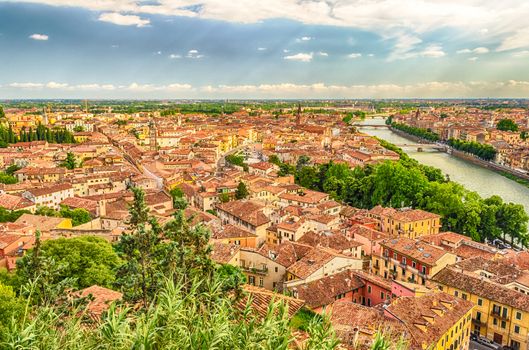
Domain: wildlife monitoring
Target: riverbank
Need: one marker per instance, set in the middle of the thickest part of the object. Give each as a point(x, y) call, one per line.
point(511, 174)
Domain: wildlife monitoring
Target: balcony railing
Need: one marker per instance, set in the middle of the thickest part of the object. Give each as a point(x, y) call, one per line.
point(263, 270)
point(498, 314)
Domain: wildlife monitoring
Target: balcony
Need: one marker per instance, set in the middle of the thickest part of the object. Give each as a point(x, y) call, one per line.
point(499, 315)
point(263, 270)
point(478, 322)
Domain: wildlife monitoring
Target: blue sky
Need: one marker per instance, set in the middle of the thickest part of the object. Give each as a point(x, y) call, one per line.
point(263, 49)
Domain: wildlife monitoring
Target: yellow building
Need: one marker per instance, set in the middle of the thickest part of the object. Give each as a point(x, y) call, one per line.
point(408, 260)
point(411, 223)
point(435, 321)
point(500, 293)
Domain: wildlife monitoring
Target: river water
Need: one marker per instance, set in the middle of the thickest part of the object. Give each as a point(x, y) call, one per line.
point(473, 177)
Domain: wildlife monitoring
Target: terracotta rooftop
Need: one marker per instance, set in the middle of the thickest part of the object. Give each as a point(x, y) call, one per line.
point(247, 211)
point(483, 287)
point(101, 299)
point(231, 231)
point(429, 317)
point(222, 253)
point(417, 250)
point(324, 291)
point(261, 298)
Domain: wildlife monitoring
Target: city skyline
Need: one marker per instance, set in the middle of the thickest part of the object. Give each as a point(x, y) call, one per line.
point(272, 49)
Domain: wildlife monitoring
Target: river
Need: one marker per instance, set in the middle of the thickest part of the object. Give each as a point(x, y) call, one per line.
point(484, 181)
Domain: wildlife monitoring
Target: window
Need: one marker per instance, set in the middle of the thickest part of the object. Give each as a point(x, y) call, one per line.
point(404, 260)
point(251, 280)
point(381, 295)
point(464, 296)
point(261, 282)
point(277, 269)
point(517, 329)
point(518, 315)
point(495, 321)
point(456, 293)
point(413, 264)
point(369, 289)
point(503, 324)
point(480, 302)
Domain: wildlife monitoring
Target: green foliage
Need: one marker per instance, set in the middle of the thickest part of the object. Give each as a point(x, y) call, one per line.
point(303, 318)
point(179, 201)
point(507, 125)
point(422, 133)
point(200, 317)
point(88, 260)
point(483, 151)
point(11, 215)
point(242, 191)
point(70, 162)
point(41, 133)
point(224, 197)
point(348, 117)
point(237, 159)
point(11, 308)
point(2, 113)
point(78, 128)
point(10, 170)
point(524, 135)
point(78, 216)
point(7, 179)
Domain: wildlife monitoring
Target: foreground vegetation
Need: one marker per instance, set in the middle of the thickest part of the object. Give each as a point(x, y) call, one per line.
point(174, 295)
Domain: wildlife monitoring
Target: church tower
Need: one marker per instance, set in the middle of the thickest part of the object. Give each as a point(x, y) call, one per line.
point(298, 115)
point(153, 143)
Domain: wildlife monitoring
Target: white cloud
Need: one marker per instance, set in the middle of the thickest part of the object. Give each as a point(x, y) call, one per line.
point(519, 54)
point(354, 55)
point(371, 55)
point(304, 38)
point(433, 51)
point(517, 40)
point(473, 59)
point(477, 50)
point(40, 37)
point(301, 57)
point(286, 50)
point(55, 85)
point(26, 85)
point(324, 54)
point(158, 53)
point(124, 20)
point(261, 49)
point(194, 54)
point(174, 56)
point(433, 89)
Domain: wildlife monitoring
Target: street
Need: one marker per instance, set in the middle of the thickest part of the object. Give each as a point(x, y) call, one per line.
point(477, 346)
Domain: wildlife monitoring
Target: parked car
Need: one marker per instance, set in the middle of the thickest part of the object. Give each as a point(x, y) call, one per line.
point(488, 343)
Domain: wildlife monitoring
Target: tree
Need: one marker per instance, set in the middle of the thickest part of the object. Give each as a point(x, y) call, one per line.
point(512, 220)
point(2, 113)
point(524, 135)
point(507, 125)
point(88, 260)
point(177, 195)
point(40, 275)
point(79, 216)
point(224, 197)
point(70, 162)
point(78, 128)
point(139, 276)
point(11, 307)
point(242, 191)
point(302, 162)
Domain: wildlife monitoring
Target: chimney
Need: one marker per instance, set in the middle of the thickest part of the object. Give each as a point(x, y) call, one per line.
point(101, 209)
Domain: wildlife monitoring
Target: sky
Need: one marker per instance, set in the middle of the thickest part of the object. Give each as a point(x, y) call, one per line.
point(179, 49)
